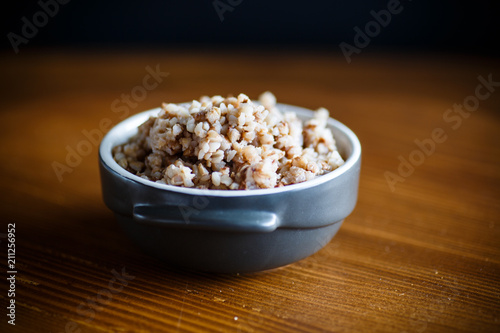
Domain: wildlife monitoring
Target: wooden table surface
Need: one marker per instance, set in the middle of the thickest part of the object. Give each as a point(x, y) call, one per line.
point(420, 252)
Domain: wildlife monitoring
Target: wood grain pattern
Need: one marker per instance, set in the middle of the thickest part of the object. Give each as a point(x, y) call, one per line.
point(422, 258)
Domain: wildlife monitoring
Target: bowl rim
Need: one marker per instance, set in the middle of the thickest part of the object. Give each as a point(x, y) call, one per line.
point(113, 137)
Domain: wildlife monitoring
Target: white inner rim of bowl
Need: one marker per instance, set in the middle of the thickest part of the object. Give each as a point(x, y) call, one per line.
point(347, 144)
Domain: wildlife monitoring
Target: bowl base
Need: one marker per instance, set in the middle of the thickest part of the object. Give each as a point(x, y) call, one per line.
point(228, 252)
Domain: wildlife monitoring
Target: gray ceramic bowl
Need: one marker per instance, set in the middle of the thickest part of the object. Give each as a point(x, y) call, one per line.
point(231, 231)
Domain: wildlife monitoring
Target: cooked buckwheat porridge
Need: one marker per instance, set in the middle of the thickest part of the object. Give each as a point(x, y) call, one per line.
point(229, 144)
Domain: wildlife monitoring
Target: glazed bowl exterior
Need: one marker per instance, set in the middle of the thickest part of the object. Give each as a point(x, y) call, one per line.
point(230, 231)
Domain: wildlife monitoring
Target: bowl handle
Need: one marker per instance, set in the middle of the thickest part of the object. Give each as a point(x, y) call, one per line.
point(239, 220)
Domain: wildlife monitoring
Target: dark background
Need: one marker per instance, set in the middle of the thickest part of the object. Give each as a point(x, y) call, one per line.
point(436, 26)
